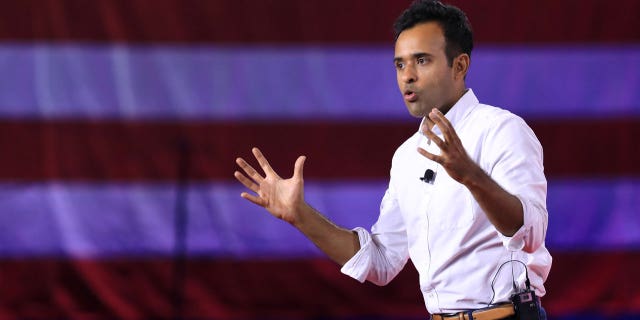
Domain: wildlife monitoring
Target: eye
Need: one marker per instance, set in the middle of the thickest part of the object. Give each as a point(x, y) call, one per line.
point(399, 65)
point(421, 60)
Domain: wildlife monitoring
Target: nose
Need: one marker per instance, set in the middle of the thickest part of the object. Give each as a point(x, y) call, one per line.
point(409, 74)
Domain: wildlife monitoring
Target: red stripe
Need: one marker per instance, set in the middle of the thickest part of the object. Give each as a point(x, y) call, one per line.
point(128, 151)
point(293, 289)
point(602, 282)
point(590, 148)
point(310, 21)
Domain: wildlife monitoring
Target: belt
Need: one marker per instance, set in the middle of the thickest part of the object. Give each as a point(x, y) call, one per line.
point(491, 313)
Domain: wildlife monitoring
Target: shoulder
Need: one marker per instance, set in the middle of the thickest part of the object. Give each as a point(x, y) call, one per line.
point(494, 120)
point(505, 135)
point(491, 115)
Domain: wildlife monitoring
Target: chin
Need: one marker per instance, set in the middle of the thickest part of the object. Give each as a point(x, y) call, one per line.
point(416, 111)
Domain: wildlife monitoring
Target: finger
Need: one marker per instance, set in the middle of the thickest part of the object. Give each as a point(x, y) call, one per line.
point(246, 181)
point(444, 124)
point(251, 172)
point(438, 118)
point(298, 167)
point(264, 164)
point(256, 200)
point(430, 155)
point(434, 138)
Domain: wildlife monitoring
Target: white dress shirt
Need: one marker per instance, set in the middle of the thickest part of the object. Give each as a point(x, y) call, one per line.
point(440, 226)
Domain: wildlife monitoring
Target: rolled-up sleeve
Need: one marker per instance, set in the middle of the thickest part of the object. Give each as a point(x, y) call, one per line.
point(531, 235)
point(516, 163)
point(383, 252)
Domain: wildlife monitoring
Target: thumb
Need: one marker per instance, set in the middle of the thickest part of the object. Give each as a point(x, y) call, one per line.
point(297, 169)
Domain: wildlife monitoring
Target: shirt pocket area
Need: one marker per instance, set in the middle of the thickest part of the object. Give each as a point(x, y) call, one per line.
point(451, 205)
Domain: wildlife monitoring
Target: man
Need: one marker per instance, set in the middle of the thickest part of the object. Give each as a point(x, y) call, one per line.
point(477, 212)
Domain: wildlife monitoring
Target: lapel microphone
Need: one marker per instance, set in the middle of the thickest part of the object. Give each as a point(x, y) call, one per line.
point(429, 176)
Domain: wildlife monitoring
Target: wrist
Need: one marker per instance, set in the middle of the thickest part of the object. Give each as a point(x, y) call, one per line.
point(299, 215)
point(475, 179)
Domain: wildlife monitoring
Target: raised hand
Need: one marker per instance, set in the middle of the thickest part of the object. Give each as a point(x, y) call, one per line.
point(283, 198)
point(453, 157)
point(503, 209)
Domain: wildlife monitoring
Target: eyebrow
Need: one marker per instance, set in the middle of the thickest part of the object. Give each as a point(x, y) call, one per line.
point(415, 56)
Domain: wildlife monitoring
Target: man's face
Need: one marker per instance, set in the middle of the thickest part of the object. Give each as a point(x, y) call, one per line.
point(424, 76)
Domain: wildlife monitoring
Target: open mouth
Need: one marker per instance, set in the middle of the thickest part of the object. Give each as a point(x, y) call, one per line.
point(410, 96)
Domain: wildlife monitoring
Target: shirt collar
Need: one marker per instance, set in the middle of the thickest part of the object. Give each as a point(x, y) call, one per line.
point(459, 111)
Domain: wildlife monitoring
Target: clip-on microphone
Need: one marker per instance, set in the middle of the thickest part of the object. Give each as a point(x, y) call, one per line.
point(429, 176)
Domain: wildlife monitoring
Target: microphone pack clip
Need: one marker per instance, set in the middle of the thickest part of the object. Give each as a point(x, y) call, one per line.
point(429, 176)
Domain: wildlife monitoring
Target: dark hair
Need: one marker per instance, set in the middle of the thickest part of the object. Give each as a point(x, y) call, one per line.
point(454, 23)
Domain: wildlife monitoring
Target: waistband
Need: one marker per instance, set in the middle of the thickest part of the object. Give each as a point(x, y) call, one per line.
point(490, 313)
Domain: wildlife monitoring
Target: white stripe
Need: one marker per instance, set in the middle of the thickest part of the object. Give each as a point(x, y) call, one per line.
point(89, 220)
point(98, 220)
point(252, 82)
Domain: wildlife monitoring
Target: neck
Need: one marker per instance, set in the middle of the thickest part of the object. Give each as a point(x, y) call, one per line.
point(445, 108)
point(456, 97)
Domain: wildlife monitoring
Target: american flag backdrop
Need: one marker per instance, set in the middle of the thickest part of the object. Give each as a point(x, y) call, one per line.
point(120, 121)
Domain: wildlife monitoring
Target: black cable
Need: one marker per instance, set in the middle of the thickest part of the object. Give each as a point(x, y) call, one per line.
point(513, 276)
point(526, 273)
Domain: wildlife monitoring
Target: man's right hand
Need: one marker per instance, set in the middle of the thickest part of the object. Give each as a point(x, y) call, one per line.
point(283, 198)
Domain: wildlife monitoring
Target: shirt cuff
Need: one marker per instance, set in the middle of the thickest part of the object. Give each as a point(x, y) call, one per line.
point(358, 266)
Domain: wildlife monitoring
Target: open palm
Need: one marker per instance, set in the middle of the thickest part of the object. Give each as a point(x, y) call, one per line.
point(281, 197)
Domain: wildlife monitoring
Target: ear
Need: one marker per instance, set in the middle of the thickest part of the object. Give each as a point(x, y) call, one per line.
point(461, 66)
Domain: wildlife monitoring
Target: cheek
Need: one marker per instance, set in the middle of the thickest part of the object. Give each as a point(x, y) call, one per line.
point(429, 75)
point(435, 78)
point(430, 83)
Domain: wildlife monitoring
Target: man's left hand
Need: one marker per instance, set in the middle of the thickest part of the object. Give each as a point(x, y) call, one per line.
point(453, 157)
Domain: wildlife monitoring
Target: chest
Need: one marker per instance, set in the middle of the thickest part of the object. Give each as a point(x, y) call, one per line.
point(426, 192)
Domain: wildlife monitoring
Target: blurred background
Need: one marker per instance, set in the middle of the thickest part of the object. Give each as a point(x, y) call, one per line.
point(120, 121)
